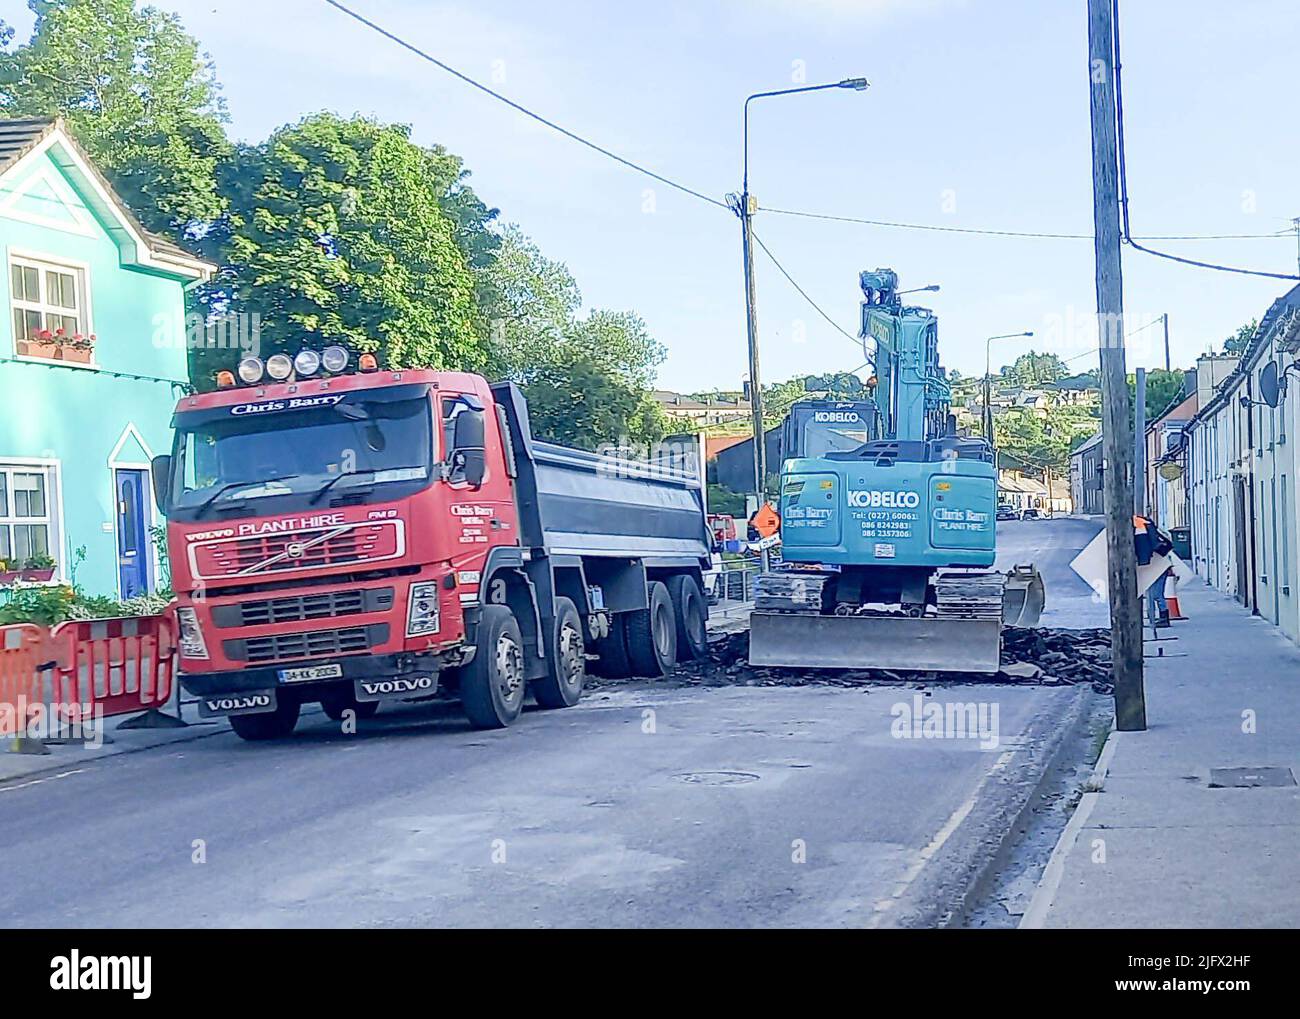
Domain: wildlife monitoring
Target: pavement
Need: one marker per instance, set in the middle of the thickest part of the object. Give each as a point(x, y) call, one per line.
point(646, 805)
point(1155, 844)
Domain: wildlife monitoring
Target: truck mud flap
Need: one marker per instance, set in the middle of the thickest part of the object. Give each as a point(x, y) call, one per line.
point(396, 688)
point(246, 702)
point(807, 641)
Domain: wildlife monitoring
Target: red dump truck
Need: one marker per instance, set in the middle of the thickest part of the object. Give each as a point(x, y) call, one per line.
point(347, 535)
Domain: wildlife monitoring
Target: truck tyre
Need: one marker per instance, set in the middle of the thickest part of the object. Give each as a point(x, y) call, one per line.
point(567, 668)
point(691, 615)
point(335, 702)
point(612, 660)
point(275, 724)
point(652, 634)
point(492, 685)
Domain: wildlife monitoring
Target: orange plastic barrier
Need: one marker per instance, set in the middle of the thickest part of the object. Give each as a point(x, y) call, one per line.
point(114, 666)
point(23, 650)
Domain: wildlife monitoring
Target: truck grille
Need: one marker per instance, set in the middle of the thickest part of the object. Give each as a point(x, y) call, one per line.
point(319, 644)
point(296, 608)
point(317, 548)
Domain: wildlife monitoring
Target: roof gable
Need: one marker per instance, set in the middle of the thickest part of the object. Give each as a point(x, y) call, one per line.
point(22, 142)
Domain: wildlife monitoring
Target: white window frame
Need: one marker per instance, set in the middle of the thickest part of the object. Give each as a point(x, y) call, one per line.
point(41, 262)
point(53, 518)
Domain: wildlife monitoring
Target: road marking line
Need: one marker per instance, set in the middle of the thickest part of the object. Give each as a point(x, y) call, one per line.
point(936, 843)
point(1050, 883)
point(37, 781)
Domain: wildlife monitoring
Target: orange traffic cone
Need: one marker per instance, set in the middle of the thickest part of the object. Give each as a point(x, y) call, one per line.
point(1171, 598)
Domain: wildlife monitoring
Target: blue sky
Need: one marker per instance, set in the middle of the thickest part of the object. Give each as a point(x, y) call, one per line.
point(977, 116)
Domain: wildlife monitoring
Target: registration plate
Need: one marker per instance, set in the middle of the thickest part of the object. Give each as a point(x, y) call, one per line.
point(310, 672)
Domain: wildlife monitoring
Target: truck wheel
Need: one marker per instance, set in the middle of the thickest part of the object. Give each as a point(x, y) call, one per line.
point(335, 702)
point(691, 616)
point(652, 634)
point(492, 685)
point(612, 659)
point(268, 724)
point(562, 685)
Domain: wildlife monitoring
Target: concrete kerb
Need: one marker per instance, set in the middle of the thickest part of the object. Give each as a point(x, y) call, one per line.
point(960, 871)
point(1036, 914)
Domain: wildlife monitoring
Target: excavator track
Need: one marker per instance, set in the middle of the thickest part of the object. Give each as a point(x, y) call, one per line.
point(969, 595)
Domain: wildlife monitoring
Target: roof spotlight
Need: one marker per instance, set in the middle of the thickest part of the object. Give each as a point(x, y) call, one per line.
point(279, 367)
point(307, 362)
point(335, 359)
point(250, 370)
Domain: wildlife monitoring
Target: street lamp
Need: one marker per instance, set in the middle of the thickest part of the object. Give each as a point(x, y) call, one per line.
point(747, 207)
point(919, 290)
point(988, 378)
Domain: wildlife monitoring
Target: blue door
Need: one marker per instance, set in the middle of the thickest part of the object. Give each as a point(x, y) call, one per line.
point(132, 533)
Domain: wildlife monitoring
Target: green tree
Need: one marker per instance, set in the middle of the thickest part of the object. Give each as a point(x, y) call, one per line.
point(337, 233)
point(1034, 369)
point(1237, 342)
point(138, 95)
point(1164, 390)
point(586, 379)
point(578, 402)
point(591, 387)
point(528, 301)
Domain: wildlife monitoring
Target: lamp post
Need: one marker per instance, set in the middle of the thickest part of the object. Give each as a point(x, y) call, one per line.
point(747, 207)
point(988, 378)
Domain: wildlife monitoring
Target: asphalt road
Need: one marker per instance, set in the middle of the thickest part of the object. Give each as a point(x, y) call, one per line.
point(643, 806)
point(1050, 545)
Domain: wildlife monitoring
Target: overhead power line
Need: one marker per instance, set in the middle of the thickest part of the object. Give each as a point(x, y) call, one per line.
point(393, 37)
point(1039, 234)
point(1123, 176)
point(804, 294)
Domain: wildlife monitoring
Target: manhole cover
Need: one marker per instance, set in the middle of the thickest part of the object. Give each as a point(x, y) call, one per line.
point(1249, 778)
point(717, 777)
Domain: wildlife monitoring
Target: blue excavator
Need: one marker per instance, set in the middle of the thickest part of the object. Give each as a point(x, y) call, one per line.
point(888, 521)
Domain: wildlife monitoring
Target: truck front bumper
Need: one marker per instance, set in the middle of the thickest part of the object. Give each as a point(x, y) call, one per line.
point(370, 677)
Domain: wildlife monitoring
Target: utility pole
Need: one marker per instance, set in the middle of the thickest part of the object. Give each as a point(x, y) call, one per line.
point(1140, 442)
point(1165, 319)
point(755, 386)
point(1296, 224)
point(1117, 445)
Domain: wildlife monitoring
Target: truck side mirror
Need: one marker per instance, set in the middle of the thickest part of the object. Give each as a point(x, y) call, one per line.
point(160, 473)
point(468, 453)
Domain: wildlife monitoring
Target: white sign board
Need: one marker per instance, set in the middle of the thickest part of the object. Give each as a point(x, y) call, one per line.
point(1091, 565)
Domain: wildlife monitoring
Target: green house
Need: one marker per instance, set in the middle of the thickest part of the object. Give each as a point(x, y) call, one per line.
point(92, 355)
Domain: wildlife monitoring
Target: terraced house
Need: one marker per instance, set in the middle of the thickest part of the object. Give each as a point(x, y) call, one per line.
point(1242, 463)
point(92, 351)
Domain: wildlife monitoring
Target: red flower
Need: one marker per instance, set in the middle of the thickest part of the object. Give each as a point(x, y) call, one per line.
point(60, 331)
point(45, 334)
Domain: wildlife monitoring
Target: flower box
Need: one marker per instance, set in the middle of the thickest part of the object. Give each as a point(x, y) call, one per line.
point(9, 577)
point(38, 576)
point(52, 351)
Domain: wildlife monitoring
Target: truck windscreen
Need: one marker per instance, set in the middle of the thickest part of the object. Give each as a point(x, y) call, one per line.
point(330, 453)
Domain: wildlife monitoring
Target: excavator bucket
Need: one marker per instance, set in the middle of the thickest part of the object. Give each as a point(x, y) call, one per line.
point(927, 644)
point(1023, 597)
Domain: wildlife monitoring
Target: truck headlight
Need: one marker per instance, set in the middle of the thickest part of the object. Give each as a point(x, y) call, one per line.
point(422, 609)
point(191, 636)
